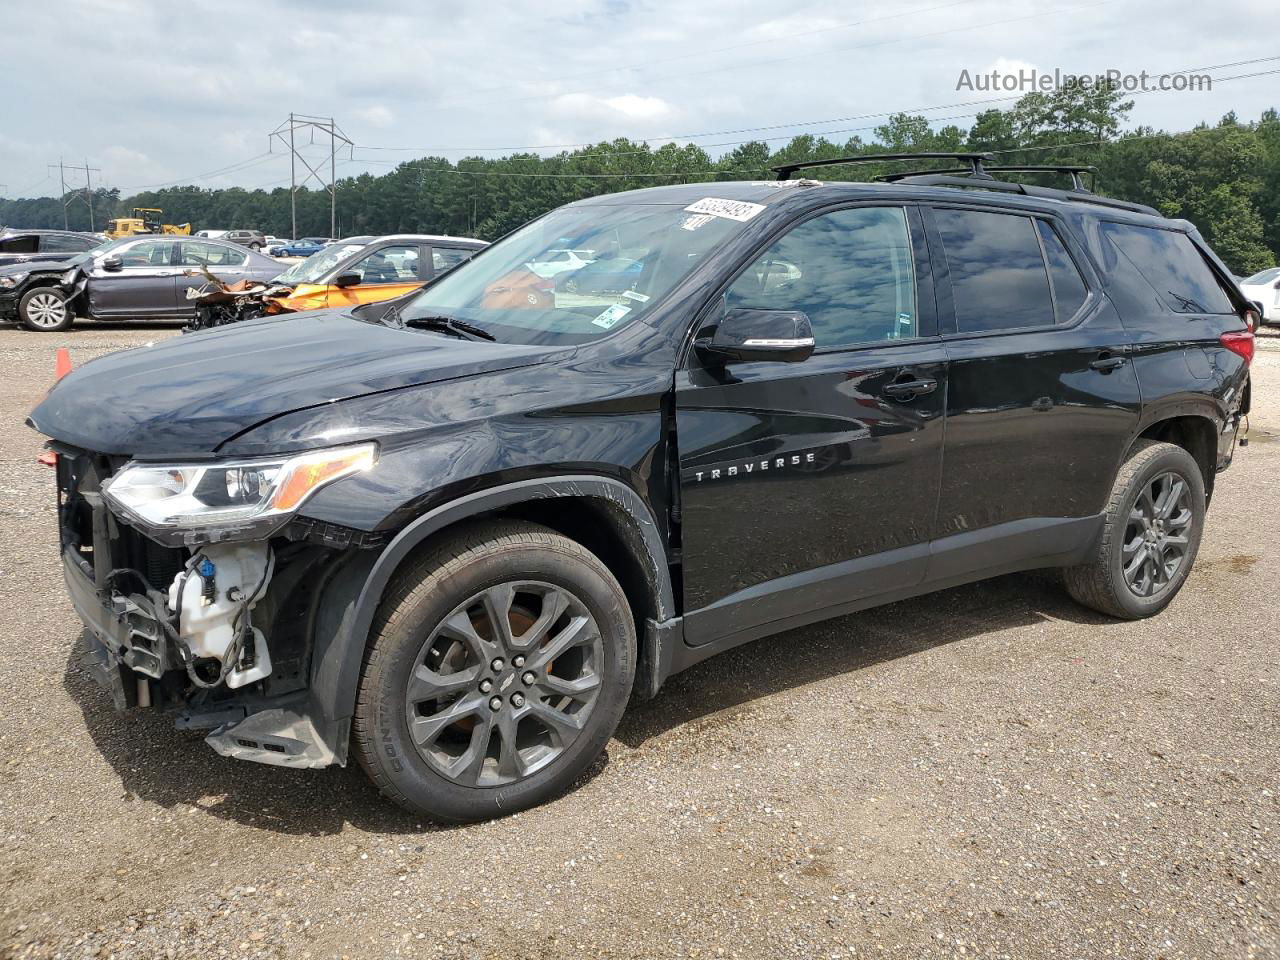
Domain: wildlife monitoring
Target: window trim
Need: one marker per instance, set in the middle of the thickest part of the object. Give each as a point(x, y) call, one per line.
point(922, 264)
point(1053, 290)
point(1230, 289)
point(943, 272)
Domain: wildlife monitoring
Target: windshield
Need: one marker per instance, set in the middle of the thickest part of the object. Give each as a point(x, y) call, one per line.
point(1266, 276)
point(319, 263)
point(636, 253)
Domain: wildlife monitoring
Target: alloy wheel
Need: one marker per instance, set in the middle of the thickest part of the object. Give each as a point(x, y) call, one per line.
point(46, 310)
point(1157, 536)
point(505, 684)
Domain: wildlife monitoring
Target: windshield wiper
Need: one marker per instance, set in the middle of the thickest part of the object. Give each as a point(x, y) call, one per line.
point(459, 328)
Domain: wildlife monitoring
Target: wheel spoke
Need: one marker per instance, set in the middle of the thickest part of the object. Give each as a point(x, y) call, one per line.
point(562, 726)
point(1172, 495)
point(554, 604)
point(425, 730)
point(1134, 566)
point(497, 605)
point(459, 627)
point(559, 686)
point(510, 763)
point(427, 684)
point(468, 766)
point(579, 630)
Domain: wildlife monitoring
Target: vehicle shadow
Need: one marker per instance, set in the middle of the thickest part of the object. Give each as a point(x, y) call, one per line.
point(851, 643)
point(160, 764)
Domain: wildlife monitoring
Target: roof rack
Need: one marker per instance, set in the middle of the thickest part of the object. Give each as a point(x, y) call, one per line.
point(1074, 170)
point(977, 174)
point(974, 160)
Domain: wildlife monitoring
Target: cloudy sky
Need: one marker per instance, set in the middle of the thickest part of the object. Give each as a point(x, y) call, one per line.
point(154, 93)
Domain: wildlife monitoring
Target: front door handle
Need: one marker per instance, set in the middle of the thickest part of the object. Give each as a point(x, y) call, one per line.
point(1106, 363)
point(909, 389)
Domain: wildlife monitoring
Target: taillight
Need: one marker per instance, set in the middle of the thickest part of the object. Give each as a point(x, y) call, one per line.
point(1239, 342)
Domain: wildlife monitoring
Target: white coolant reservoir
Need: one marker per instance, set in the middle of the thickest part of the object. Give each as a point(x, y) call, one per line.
point(210, 594)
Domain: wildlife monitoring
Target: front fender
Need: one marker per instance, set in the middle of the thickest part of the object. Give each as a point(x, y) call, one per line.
point(339, 651)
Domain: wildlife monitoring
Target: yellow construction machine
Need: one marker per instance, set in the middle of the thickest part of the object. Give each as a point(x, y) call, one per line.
point(145, 220)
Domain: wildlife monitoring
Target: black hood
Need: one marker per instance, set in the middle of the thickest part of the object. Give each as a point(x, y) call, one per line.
point(189, 394)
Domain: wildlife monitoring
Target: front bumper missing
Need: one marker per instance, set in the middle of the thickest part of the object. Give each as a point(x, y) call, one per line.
point(118, 655)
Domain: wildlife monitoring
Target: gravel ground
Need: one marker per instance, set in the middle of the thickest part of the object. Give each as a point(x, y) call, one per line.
point(991, 771)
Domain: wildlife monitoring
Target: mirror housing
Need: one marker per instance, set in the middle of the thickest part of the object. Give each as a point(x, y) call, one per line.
point(745, 334)
point(112, 264)
point(346, 280)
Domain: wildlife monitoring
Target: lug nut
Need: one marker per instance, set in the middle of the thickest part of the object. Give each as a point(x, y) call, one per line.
point(528, 678)
point(517, 699)
point(486, 686)
point(518, 662)
point(497, 664)
point(495, 703)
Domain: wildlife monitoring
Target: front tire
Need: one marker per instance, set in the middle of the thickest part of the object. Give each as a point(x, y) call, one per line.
point(498, 667)
point(45, 310)
point(1153, 524)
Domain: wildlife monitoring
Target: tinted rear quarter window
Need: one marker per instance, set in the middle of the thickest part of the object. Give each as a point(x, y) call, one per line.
point(998, 277)
point(1069, 291)
point(1170, 262)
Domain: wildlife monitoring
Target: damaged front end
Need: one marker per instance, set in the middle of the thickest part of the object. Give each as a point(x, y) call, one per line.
point(218, 303)
point(203, 594)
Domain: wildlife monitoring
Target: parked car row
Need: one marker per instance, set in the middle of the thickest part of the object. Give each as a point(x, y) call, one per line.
point(159, 277)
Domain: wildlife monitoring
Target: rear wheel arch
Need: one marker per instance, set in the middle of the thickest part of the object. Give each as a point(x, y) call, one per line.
point(614, 523)
point(1196, 433)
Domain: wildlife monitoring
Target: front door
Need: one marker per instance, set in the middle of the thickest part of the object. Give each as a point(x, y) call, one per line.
point(385, 273)
point(805, 486)
point(146, 285)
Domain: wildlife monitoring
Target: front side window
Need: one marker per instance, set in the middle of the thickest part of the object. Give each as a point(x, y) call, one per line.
point(25, 244)
point(148, 253)
point(998, 277)
point(394, 264)
point(851, 272)
point(642, 252)
point(1172, 265)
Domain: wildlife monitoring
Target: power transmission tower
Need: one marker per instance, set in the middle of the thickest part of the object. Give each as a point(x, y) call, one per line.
point(287, 134)
point(87, 196)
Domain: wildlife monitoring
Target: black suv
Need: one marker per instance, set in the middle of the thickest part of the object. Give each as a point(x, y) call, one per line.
point(253, 239)
point(452, 534)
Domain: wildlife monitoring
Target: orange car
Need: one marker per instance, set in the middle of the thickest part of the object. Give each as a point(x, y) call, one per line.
point(368, 269)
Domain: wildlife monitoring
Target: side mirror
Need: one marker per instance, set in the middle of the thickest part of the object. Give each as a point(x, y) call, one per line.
point(112, 264)
point(346, 280)
point(745, 334)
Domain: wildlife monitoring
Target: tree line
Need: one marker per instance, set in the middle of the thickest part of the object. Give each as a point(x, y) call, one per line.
point(1225, 178)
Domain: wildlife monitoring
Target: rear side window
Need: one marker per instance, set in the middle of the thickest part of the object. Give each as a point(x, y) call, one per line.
point(66, 243)
point(1069, 291)
point(998, 277)
point(1172, 265)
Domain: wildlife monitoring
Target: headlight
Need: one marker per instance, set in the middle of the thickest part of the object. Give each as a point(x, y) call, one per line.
point(200, 496)
point(13, 279)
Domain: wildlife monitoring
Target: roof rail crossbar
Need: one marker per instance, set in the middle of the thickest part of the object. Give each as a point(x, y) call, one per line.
point(1074, 170)
point(974, 161)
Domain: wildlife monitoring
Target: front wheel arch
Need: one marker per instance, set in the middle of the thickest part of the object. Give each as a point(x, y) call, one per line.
point(338, 653)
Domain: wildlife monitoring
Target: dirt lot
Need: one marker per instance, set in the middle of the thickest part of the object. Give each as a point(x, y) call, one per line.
point(992, 771)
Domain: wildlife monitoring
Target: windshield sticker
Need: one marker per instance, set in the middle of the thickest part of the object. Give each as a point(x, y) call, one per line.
point(696, 221)
point(612, 315)
point(739, 210)
point(638, 297)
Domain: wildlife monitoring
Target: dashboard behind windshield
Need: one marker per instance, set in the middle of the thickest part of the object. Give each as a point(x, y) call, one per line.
point(576, 274)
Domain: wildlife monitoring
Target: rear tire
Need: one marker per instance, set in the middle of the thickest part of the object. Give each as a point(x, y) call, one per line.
point(45, 310)
point(460, 718)
point(1151, 534)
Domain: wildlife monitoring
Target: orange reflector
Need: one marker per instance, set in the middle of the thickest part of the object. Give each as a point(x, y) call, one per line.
point(48, 458)
point(305, 477)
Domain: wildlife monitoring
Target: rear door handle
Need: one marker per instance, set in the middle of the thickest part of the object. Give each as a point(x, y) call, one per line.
point(907, 389)
point(1107, 364)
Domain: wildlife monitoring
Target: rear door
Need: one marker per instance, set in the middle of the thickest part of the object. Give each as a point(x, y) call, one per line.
point(224, 260)
point(807, 485)
point(445, 258)
point(146, 286)
point(1042, 398)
